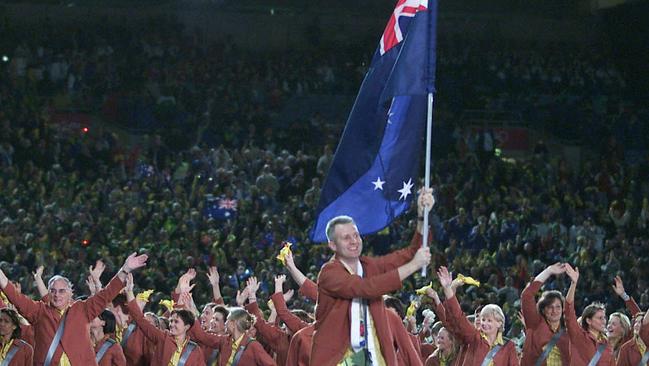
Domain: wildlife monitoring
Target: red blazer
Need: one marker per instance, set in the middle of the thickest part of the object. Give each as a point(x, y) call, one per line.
point(138, 350)
point(336, 289)
point(407, 353)
point(299, 351)
point(582, 343)
point(629, 354)
point(275, 337)
point(27, 334)
point(113, 357)
point(477, 347)
point(24, 356)
point(76, 339)
point(309, 289)
point(164, 342)
point(254, 355)
point(644, 333)
point(537, 331)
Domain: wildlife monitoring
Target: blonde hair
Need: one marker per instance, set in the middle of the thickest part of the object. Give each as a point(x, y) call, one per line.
point(242, 319)
point(495, 311)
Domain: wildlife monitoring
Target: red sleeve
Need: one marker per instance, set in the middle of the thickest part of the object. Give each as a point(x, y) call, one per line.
point(197, 334)
point(337, 282)
point(271, 333)
point(463, 329)
point(528, 305)
point(118, 358)
point(28, 308)
point(512, 359)
point(261, 357)
point(292, 322)
point(632, 306)
point(395, 259)
point(440, 311)
point(218, 300)
point(407, 349)
point(644, 333)
point(573, 328)
point(309, 289)
point(97, 302)
point(152, 333)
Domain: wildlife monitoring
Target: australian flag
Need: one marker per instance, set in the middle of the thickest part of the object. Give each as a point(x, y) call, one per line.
point(221, 208)
point(374, 170)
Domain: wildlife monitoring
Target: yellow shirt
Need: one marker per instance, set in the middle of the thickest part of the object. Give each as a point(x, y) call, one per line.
point(235, 347)
point(65, 361)
point(554, 358)
point(119, 331)
point(175, 358)
point(499, 341)
point(5, 349)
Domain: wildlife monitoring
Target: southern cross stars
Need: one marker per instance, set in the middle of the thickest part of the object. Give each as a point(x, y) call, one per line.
point(378, 184)
point(406, 190)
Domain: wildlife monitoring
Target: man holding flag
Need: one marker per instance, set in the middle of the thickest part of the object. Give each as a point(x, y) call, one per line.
point(371, 180)
point(351, 324)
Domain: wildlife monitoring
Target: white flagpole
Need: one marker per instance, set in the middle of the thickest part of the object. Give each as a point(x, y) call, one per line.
point(429, 132)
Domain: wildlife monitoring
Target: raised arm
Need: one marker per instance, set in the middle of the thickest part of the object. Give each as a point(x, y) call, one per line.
point(464, 330)
point(295, 273)
point(214, 278)
point(292, 322)
point(97, 303)
point(154, 334)
point(618, 288)
point(528, 302)
point(336, 280)
point(38, 281)
point(574, 278)
point(309, 289)
point(94, 277)
point(404, 257)
point(184, 284)
point(27, 307)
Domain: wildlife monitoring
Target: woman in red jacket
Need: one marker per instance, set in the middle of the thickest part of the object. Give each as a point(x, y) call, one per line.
point(632, 351)
point(173, 346)
point(446, 352)
point(102, 333)
point(588, 343)
point(13, 351)
point(484, 346)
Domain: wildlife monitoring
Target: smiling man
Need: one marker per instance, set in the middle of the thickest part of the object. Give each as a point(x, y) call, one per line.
point(70, 319)
point(351, 323)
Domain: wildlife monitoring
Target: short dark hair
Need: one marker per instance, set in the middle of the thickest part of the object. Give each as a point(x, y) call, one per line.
point(186, 316)
point(547, 298)
point(223, 310)
point(394, 303)
point(109, 321)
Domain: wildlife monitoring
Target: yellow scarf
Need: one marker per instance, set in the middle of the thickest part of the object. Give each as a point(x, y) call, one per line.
point(235, 347)
point(175, 358)
point(5, 349)
point(499, 341)
point(640, 344)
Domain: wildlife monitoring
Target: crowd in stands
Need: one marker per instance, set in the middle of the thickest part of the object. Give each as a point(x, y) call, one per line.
point(222, 186)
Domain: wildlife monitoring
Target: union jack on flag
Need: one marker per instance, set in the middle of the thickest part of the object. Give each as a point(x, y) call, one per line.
point(392, 35)
point(228, 204)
